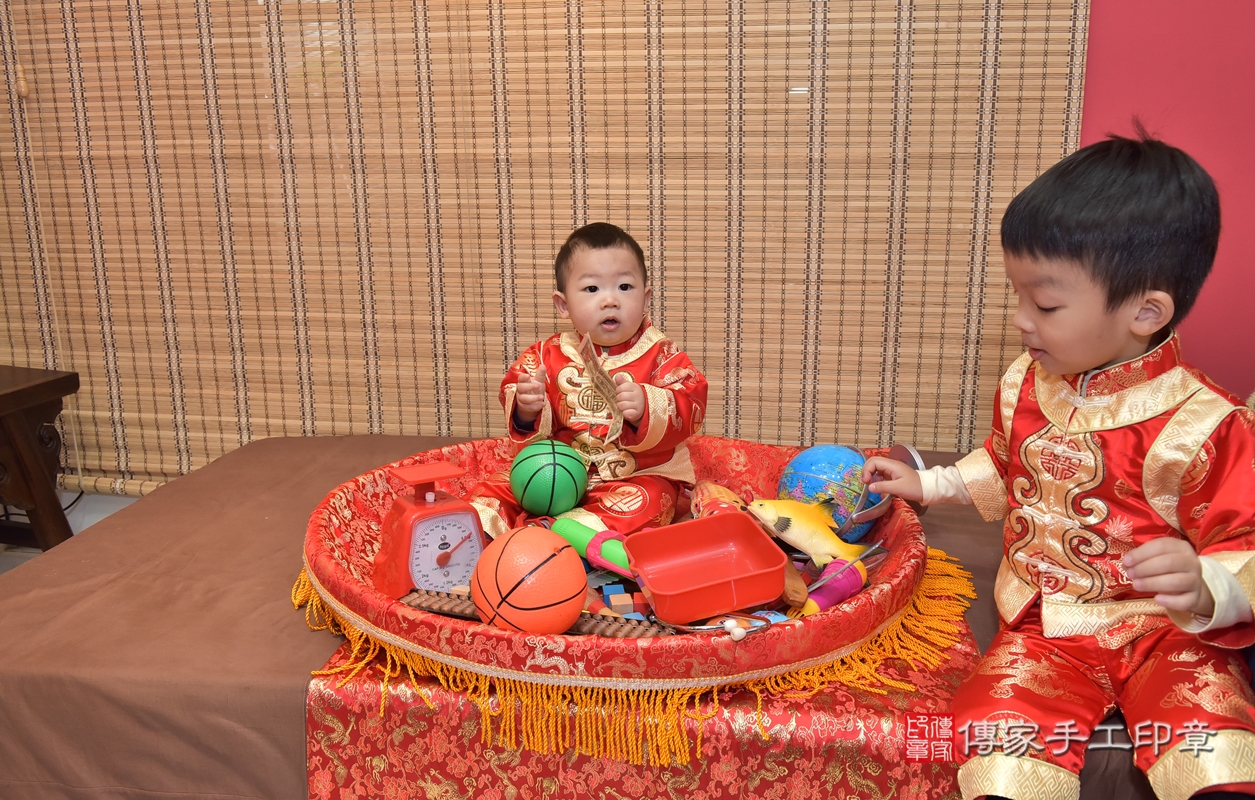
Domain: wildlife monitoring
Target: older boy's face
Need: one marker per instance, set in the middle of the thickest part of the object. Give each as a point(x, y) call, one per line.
point(605, 295)
point(1063, 318)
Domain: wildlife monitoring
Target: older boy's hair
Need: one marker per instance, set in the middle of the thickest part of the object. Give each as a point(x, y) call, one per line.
point(1137, 214)
point(595, 236)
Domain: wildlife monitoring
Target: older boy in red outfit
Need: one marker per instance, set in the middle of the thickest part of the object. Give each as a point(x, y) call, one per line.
point(635, 477)
point(1127, 481)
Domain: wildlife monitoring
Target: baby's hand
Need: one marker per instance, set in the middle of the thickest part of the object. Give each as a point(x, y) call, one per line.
point(892, 477)
point(529, 395)
point(629, 397)
point(1170, 568)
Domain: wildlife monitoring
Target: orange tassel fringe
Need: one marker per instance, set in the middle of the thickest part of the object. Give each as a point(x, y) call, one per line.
point(649, 726)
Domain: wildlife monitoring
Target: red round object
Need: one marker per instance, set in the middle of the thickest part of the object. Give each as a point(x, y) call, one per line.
point(529, 579)
point(343, 535)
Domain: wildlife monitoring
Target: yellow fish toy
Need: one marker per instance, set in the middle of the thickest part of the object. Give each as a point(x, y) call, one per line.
point(808, 527)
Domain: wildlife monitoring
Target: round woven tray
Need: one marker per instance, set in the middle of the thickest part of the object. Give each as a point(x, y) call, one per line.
point(343, 536)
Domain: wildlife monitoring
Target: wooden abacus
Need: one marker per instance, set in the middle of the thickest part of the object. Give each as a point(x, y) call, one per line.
point(457, 604)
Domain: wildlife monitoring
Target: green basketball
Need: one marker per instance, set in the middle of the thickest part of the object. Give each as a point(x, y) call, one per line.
point(548, 478)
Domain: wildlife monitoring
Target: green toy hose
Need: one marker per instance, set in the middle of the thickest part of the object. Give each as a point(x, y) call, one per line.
point(579, 535)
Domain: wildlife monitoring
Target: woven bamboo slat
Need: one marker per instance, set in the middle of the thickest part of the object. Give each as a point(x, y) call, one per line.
point(237, 220)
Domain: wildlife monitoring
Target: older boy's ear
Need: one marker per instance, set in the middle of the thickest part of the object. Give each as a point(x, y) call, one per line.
point(1154, 313)
point(559, 302)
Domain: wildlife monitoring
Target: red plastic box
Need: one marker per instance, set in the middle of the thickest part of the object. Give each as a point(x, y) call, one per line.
point(705, 567)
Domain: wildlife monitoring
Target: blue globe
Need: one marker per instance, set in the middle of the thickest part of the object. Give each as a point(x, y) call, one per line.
point(829, 471)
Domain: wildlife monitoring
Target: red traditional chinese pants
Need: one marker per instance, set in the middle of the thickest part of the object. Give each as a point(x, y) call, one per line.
point(1024, 717)
point(626, 506)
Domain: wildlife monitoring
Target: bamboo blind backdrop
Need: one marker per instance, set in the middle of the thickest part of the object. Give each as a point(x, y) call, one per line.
point(249, 218)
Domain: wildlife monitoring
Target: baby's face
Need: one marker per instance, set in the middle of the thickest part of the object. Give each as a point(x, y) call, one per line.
point(605, 295)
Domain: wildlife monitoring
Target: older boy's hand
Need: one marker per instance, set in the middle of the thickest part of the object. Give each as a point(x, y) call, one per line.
point(629, 397)
point(529, 395)
point(884, 475)
point(1170, 568)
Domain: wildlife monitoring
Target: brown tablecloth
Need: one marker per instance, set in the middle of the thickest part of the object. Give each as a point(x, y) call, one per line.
point(157, 653)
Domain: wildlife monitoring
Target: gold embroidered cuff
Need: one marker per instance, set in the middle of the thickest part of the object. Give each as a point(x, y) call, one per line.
point(1020, 777)
point(1242, 565)
point(984, 484)
point(544, 423)
point(1225, 756)
point(658, 407)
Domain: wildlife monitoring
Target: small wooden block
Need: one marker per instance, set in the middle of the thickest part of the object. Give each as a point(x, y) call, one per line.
point(621, 603)
point(795, 593)
point(640, 604)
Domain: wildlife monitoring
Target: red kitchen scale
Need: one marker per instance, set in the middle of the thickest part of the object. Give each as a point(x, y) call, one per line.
point(429, 539)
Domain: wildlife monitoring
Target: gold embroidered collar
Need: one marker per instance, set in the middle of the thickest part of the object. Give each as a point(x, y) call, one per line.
point(1119, 395)
point(646, 338)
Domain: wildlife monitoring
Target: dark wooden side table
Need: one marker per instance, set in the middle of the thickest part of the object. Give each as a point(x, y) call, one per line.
point(30, 447)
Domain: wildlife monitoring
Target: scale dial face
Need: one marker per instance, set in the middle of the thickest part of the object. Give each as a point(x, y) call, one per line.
point(456, 534)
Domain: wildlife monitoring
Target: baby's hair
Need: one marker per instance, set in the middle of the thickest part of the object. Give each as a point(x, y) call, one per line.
point(595, 236)
point(1137, 214)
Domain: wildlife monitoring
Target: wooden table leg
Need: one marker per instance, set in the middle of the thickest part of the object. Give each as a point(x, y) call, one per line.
point(47, 519)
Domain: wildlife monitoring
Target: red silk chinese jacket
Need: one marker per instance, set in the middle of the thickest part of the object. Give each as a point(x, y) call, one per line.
point(675, 404)
point(1086, 467)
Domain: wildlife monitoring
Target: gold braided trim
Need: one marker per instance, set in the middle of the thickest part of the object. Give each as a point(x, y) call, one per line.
point(1009, 391)
point(953, 580)
point(1179, 773)
point(1174, 449)
point(1020, 777)
point(634, 720)
point(984, 484)
point(1092, 619)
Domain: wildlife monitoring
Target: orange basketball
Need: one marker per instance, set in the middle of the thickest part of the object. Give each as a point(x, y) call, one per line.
point(529, 579)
